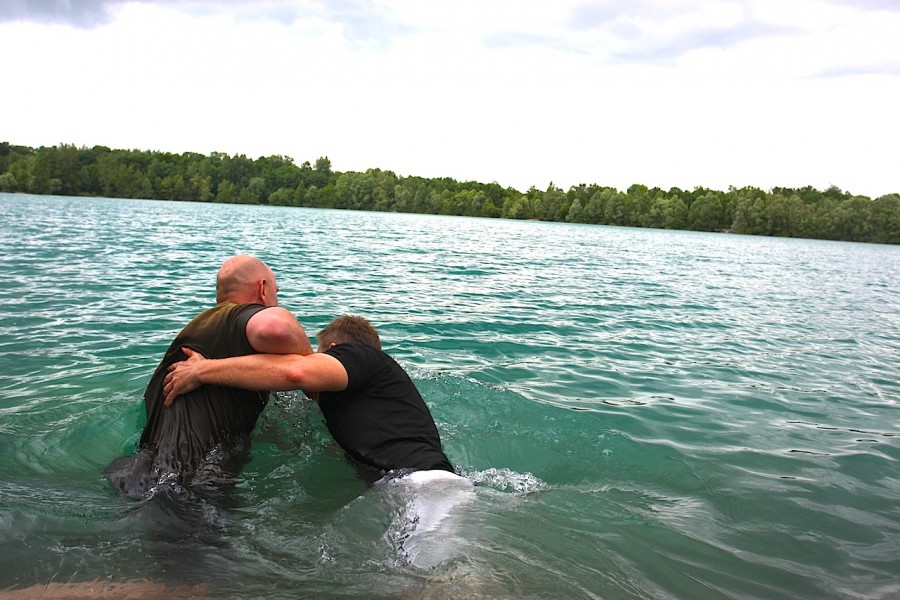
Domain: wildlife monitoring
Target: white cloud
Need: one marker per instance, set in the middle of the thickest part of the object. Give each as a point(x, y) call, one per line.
point(690, 93)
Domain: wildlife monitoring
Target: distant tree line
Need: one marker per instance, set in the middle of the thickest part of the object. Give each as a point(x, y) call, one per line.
point(275, 180)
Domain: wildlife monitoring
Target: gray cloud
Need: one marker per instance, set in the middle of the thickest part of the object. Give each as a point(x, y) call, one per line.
point(92, 13)
point(886, 5)
point(597, 15)
point(613, 15)
point(522, 39)
point(77, 13)
point(892, 69)
point(647, 47)
point(631, 40)
point(362, 22)
point(638, 42)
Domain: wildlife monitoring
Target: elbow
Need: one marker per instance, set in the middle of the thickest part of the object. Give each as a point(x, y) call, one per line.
point(296, 377)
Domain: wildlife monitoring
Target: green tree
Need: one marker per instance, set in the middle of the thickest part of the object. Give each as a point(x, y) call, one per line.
point(637, 204)
point(8, 182)
point(353, 191)
point(553, 206)
point(575, 210)
point(311, 197)
point(749, 212)
point(786, 216)
point(5, 156)
point(227, 192)
point(321, 175)
point(200, 188)
point(255, 192)
point(517, 208)
point(43, 179)
point(282, 197)
point(238, 170)
point(886, 219)
point(173, 187)
point(21, 170)
point(854, 220)
point(706, 213)
point(593, 210)
point(615, 209)
point(667, 213)
point(117, 179)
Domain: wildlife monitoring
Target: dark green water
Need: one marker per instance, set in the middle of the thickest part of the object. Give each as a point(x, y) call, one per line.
point(648, 414)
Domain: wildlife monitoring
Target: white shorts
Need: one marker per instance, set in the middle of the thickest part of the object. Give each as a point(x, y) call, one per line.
point(431, 516)
point(423, 477)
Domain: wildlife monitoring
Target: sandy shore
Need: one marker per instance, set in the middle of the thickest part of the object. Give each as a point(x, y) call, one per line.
point(101, 589)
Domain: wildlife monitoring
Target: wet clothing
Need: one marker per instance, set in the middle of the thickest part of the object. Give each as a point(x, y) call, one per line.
point(380, 419)
point(202, 437)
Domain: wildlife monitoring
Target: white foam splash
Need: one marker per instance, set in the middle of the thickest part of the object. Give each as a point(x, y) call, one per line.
point(507, 480)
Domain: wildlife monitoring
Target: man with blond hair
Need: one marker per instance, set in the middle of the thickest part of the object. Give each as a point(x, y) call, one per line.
point(196, 443)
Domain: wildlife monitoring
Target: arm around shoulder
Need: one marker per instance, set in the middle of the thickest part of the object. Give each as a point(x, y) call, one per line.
point(317, 372)
point(273, 372)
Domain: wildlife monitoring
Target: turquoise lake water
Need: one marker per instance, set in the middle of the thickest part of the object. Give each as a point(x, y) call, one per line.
point(646, 414)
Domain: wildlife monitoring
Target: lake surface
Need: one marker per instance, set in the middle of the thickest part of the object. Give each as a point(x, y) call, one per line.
point(646, 414)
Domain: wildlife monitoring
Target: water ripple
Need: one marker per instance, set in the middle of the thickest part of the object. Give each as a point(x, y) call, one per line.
point(647, 413)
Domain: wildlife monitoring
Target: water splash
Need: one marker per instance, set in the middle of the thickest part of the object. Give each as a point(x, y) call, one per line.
point(505, 480)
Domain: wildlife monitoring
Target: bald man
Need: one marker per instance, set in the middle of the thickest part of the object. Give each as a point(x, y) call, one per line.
point(200, 442)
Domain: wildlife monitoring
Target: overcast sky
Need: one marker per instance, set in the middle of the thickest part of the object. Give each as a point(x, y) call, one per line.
point(665, 93)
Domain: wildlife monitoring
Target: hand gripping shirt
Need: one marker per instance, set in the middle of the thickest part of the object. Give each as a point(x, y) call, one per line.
point(380, 420)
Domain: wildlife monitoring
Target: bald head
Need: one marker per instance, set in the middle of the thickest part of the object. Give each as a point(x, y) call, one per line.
point(246, 280)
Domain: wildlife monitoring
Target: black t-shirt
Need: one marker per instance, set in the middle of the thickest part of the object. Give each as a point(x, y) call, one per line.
point(193, 438)
point(381, 420)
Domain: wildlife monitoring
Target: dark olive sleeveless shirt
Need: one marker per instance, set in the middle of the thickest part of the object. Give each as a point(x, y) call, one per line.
point(194, 438)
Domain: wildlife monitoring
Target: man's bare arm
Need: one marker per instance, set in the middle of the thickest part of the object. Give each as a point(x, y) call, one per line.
point(276, 331)
point(311, 373)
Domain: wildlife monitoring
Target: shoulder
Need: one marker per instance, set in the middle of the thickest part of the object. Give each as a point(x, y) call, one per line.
point(351, 350)
point(230, 310)
point(226, 314)
point(234, 318)
point(250, 309)
point(242, 313)
point(361, 361)
point(275, 330)
point(219, 331)
point(267, 314)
